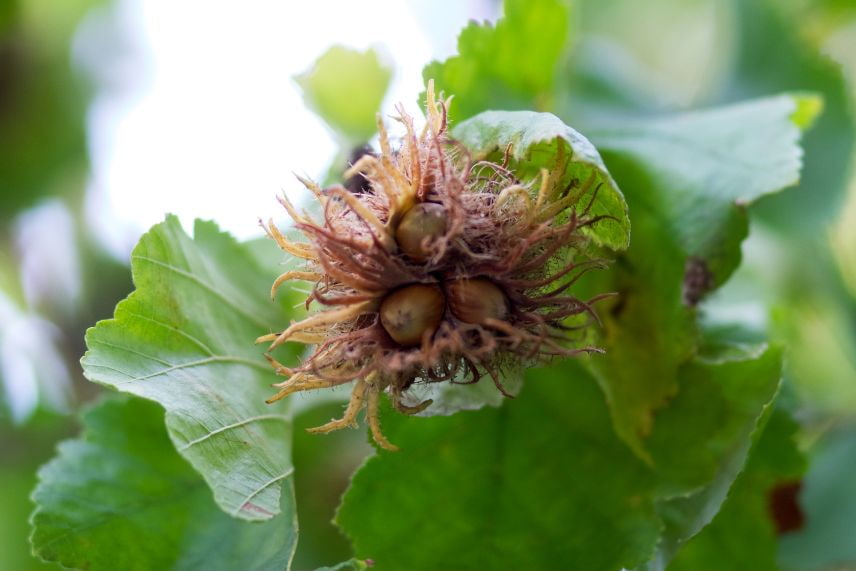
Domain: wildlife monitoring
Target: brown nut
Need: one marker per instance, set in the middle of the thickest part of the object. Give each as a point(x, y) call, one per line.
point(408, 313)
point(424, 220)
point(474, 300)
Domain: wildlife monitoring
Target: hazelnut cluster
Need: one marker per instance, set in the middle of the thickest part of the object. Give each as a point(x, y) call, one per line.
point(440, 269)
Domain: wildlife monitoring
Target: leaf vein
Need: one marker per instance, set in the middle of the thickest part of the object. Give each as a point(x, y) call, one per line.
point(205, 285)
point(175, 329)
point(234, 425)
point(197, 363)
point(262, 488)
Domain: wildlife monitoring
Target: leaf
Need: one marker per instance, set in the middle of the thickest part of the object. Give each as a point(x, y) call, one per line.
point(540, 483)
point(700, 442)
point(450, 398)
point(706, 166)
point(346, 88)
point(647, 332)
point(324, 468)
point(42, 115)
point(776, 53)
point(829, 501)
point(184, 339)
point(535, 139)
point(510, 66)
point(743, 533)
point(686, 179)
point(120, 497)
point(544, 482)
point(349, 565)
point(717, 409)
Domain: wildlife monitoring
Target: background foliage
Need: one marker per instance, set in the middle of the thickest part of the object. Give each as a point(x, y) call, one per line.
point(669, 451)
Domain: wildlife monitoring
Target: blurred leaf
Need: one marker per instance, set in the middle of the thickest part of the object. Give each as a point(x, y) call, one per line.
point(184, 338)
point(512, 65)
point(775, 56)
point(647, 332)
point(349, 565)
point(716, 416)
point(819, 329)
point(16, 484)
point(346, 88)
point(683, 177)
point(743, 533)
point(120, 497)
point(809, 110)
point(540, 483)
point(535, 139)
point(42, 104)
point(829, 501)
point(324, 468)
point(8, 14)
point(704, 165)
point(25, 447)
point(710, 422)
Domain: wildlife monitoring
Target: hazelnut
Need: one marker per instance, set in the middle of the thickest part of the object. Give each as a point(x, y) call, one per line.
point(424, 220)
point(476, 299)
point(408, 313)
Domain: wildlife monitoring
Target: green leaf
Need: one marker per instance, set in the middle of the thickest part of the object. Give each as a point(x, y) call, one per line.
point(324, 468)
point(829, 501)
point(743, 533)
point(450, 398)
point(43, 114)
point(346, 88)
point(647, 332)
point(706, 166)
point(535, 139)
point(349, 565)
point(686, 179)
point(120, 497)
point(809, 109)
point(720, 400)
point(510, 66)
point(544, 481)
point(778, 52)
point(540, 483)
point(700, 442)
point(184, 338)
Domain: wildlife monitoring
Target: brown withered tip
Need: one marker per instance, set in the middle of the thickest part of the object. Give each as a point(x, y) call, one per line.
point(784, 507)
point(698, 281)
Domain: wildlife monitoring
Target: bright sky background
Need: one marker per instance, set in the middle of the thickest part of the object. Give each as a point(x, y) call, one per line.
point(199, 115)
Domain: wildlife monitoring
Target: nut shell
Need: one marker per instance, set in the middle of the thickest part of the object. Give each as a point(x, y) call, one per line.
point(474, 300)
point(424, 220)
point(408, 313)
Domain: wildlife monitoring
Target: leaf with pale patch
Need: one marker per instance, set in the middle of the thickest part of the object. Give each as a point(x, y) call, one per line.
point(184, 338)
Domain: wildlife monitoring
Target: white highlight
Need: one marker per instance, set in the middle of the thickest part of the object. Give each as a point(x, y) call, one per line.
point(215, 124)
